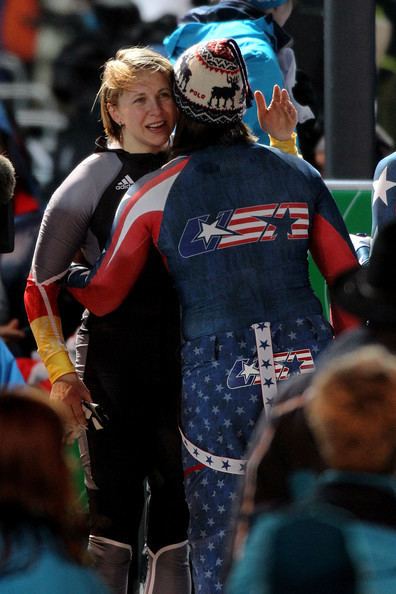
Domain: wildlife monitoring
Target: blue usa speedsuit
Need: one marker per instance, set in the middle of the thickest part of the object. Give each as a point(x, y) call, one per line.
point(234, 226)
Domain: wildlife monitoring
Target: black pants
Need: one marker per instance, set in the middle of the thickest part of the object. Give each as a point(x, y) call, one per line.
point(135, 377)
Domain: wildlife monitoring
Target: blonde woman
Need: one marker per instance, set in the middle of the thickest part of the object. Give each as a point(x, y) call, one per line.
point(127, 362)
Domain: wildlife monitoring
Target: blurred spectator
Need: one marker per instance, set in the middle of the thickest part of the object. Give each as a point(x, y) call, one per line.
point(7, 179)
point(155, 9)
point(14, 266)
point(26, 210)
point(41, 542)
point(341, 540)
point(59, 19)
point(19, 28)
point(258, 28)
point(7, 230)
point(10, 375)
point(308, 16)
point(10, 330)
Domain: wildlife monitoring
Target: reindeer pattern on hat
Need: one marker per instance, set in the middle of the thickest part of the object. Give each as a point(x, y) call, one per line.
point(225, 93)
point(209, 84)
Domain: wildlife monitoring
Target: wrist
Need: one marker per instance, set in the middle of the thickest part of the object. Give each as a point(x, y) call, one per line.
point(288, 146)
point(59, 365)
point(276, 140)
point(70, 377)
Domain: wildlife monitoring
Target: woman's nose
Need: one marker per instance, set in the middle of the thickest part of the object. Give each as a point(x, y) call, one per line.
point(155, 105)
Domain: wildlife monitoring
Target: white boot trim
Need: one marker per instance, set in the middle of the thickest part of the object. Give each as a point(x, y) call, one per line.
point(154, 558)
point(114, 543)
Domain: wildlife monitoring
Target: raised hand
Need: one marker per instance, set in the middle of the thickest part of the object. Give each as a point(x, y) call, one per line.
point(279, 119)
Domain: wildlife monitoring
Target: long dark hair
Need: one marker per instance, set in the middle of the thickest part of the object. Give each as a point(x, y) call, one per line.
point(36, 490)
point(192, 136)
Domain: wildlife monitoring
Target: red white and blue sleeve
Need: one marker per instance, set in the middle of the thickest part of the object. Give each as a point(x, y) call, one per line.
point(136, 226)
point(332, 251)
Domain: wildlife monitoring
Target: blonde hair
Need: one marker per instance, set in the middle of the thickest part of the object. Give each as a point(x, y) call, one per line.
point(352, 411)
point(119, 74)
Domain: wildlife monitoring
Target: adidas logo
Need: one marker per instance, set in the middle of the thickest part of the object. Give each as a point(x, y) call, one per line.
point(124, 183)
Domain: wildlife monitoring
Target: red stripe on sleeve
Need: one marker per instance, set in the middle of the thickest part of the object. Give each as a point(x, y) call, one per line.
point(333, 256)
point(41, 301)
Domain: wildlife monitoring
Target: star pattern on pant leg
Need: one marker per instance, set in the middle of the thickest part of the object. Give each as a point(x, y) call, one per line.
point(220, 420)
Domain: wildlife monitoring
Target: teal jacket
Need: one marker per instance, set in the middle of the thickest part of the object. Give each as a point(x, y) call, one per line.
point(10, 375)
point(39, 566)
point(257, 41)
point(343, 541)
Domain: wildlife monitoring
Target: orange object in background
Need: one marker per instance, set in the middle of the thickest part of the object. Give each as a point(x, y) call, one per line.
point(19, 26)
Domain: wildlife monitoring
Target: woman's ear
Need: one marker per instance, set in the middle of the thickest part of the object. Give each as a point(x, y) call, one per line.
point(113, 111)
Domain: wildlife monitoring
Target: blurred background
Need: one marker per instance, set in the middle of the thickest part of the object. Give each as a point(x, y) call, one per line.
point(50, 57)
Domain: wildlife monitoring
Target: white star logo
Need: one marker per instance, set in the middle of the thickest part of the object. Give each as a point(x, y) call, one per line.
point(249, 370)
point(212, 230)
point(381, 186)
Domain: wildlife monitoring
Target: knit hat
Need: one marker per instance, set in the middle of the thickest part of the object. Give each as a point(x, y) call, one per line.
point(210, 84)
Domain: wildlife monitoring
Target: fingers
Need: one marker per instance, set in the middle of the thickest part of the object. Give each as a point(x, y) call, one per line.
point(280, 117)
point(260, 100)
point(72, 432)
point(287, 103)
point(85, 393)
point(281, 99)
point(71, 393)
point(284, 96)
point(261, 109)
point(277, 94)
